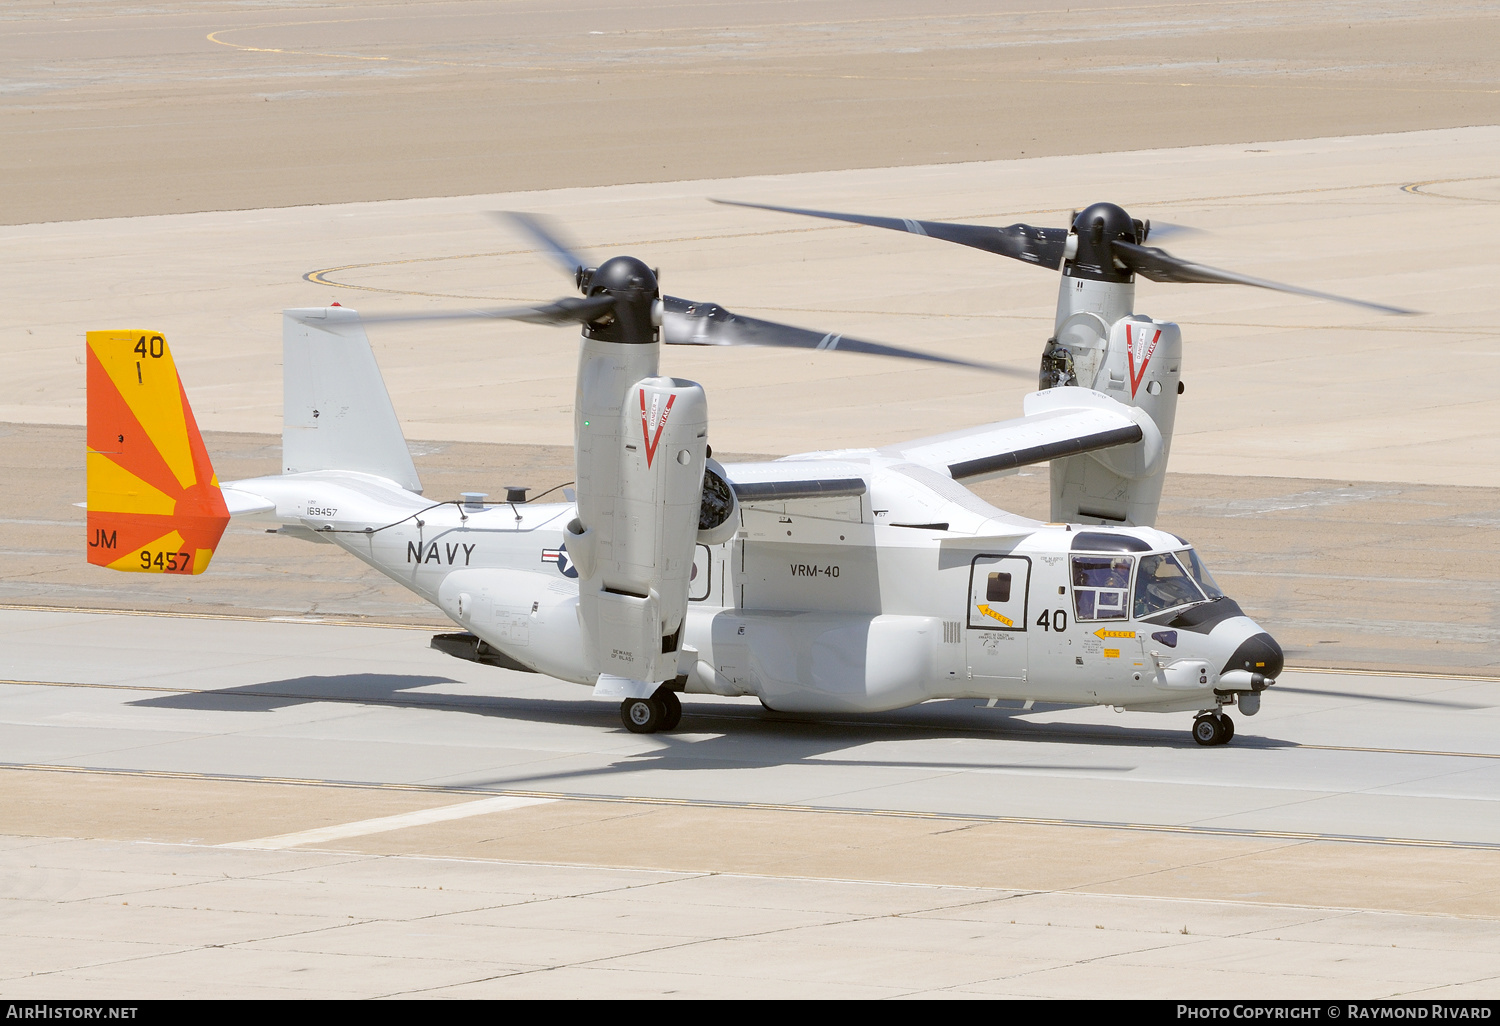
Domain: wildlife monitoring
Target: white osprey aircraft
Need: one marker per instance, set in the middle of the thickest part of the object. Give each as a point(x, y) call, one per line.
point(858, 580)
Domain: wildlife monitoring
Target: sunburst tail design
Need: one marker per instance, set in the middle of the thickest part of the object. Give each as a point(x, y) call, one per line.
point(154, 504)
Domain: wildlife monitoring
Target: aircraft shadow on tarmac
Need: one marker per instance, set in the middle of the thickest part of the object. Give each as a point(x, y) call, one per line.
point(374, 688)
point(739, 736)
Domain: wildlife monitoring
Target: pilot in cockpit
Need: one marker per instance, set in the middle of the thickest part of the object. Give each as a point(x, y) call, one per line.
point(1162, 583)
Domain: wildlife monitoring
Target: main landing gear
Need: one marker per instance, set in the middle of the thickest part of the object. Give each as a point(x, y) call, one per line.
point(662, 711)
point(1213, 728)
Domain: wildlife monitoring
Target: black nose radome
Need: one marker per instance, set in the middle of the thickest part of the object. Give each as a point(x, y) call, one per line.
point(1258, 654)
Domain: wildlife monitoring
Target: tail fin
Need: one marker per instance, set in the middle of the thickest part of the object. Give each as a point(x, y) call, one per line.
point(336, 413)
point(154, 504)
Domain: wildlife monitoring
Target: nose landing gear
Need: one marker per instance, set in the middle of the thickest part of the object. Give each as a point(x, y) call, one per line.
point(662, 711)
point(1213, 728)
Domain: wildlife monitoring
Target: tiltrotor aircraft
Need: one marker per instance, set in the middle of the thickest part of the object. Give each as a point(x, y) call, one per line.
point(858, 580)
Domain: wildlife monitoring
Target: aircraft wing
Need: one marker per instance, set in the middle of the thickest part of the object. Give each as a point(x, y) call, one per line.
point(1058, 422)
point(785, 480)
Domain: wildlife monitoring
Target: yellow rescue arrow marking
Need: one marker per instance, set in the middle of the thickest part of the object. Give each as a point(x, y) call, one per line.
point(1101, 634)
point(987, 611)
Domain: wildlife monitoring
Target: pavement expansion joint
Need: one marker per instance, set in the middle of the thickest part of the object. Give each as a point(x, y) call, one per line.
point(748, 806)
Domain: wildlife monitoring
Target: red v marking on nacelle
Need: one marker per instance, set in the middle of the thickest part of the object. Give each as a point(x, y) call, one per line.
point(652, 442)
point(1137, 375)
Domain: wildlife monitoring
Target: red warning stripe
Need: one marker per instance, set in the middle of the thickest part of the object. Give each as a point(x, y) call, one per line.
point(653, 442)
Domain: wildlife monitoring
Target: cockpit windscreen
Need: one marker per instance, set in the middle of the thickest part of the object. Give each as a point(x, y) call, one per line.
point(1163, 583)
point(1189, 559)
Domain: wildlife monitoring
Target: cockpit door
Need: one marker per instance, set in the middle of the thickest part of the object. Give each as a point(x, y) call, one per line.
point(996, 628)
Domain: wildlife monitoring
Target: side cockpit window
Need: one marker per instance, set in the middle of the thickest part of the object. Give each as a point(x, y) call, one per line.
point(1163, 583)
point(1101, 585)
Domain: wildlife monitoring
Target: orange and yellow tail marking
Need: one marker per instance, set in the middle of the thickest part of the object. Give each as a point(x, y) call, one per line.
point(154, 503)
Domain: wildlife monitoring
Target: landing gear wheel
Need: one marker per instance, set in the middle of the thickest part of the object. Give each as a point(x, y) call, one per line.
point(671, 708)
point(1228, 729)
point(642, 715)
point(1212, 730)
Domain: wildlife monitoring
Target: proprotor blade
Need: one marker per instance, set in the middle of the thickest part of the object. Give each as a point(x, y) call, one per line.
point(1167, 229)
point(546, 236)
point(1159, 265)
point(1041, 246)
point(568, 310)
point(685, 323)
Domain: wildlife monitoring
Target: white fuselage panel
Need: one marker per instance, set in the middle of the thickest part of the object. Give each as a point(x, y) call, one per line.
point(840, 604)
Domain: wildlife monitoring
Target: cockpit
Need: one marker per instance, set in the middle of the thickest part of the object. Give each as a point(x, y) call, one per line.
point(1120, 585)
point(1191, 635)
point(1167, 580)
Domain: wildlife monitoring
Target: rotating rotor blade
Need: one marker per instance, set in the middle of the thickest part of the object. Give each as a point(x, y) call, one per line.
point(1166, 229)
point(548, 237)
point(1159, 265)
point(685, 323)
point(1041, 246)
point(568, 310)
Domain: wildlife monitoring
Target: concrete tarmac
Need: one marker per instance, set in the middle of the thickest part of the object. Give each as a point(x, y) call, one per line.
point(115, 107)
point(392, 821)
point(1275, 392)
point(213, 803)
point(1277, 385)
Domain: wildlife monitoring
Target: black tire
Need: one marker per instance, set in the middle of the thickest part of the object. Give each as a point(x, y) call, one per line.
point(641, 715)
point(671, 708)
point(1228, 726)
point(1208, 731)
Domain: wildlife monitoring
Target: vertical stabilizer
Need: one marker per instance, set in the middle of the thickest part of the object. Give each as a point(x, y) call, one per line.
point(336, 412)
point(154, 504)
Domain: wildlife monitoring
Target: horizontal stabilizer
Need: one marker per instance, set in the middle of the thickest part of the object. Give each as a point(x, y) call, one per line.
point(242, 503)
point(154, 504)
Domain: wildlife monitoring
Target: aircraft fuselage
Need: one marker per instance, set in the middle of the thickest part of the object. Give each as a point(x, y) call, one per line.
point(915, 590)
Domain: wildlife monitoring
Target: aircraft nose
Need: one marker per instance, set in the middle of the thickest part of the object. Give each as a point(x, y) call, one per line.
point(1258, 653)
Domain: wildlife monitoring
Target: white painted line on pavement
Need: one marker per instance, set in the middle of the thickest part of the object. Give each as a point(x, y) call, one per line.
point(423, 817)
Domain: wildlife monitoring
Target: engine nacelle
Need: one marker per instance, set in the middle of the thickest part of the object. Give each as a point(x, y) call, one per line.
point(1142, 367)
point(1139, 363)
point(719, 509)
point(640, 470)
